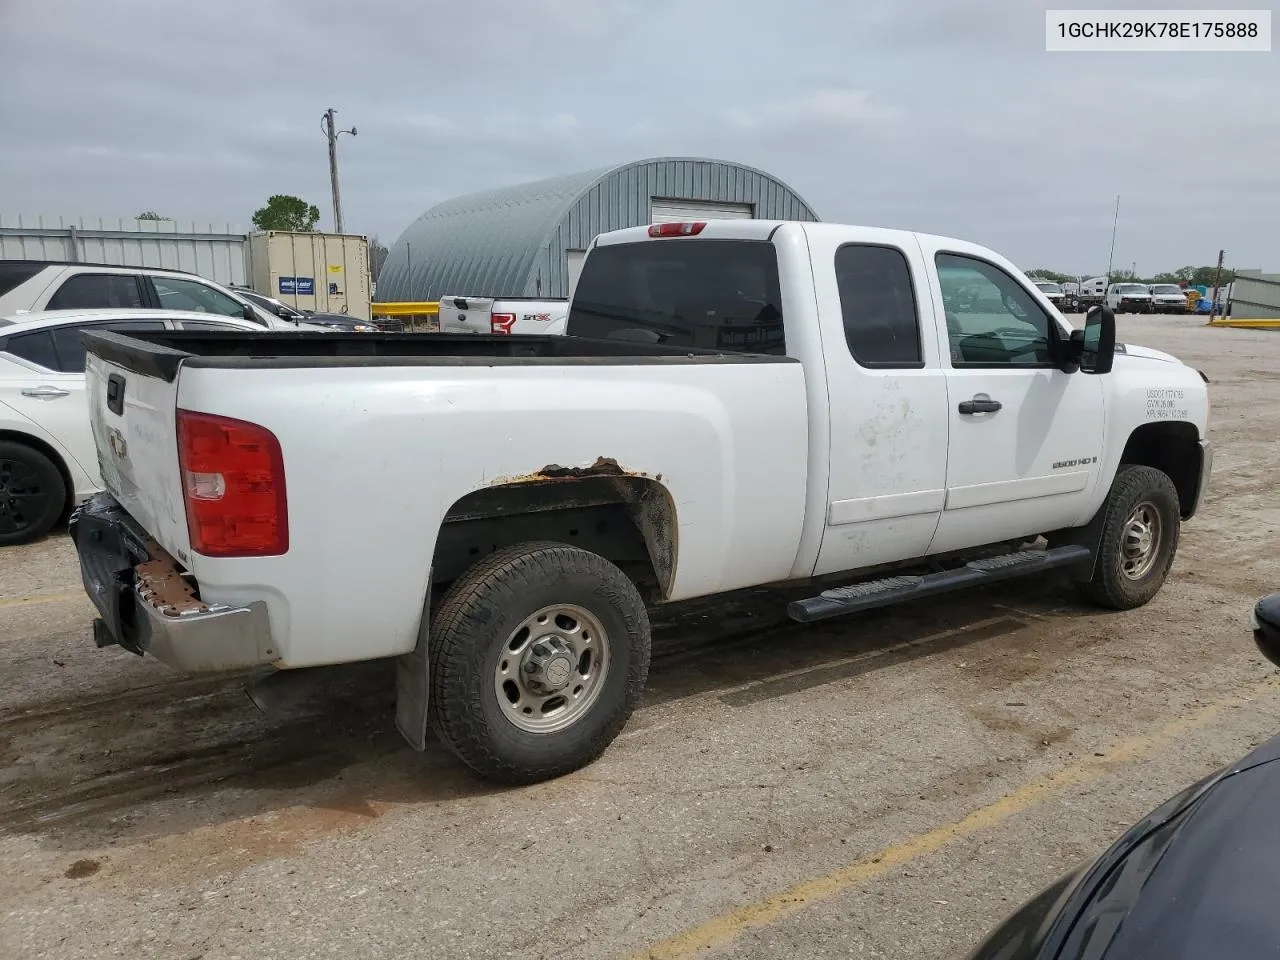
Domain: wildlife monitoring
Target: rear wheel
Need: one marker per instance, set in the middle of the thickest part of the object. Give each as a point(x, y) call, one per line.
point(1140, 531)
point(32, 493)
point(538, 656)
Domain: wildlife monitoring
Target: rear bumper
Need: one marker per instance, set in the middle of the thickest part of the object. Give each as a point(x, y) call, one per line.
point(148, 605)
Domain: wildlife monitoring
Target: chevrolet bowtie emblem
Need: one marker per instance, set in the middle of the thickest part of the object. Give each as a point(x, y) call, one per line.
point(118, 445)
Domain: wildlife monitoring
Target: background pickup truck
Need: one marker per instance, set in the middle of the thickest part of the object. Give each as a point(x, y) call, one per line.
point(737, 403)
point(501, 317)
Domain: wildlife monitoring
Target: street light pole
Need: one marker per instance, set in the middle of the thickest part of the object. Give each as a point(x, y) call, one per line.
point(328, 125)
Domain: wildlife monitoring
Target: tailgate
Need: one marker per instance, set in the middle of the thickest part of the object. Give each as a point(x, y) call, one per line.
point(466, 314)
point(133, 411)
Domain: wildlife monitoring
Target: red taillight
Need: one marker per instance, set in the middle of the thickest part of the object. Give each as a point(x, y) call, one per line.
point(233, 485)
point(676, 229)
point(501, 322)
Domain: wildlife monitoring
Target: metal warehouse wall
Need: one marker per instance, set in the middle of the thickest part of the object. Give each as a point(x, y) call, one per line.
point(1256, 295)
point(622, 199)
point(513, 241)
point(215, 251)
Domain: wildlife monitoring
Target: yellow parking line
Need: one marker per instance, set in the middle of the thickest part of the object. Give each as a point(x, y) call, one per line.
point(50, 598)
point(722, 930)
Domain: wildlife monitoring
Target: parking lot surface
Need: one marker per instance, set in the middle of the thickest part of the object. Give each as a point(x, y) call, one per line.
point(886, 785)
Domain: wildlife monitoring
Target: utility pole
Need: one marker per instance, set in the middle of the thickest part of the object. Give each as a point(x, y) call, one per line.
point(328, 125)
point(1217, 282)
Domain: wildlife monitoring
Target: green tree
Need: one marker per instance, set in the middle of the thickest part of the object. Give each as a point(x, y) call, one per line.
point(377, 257)
point(291, 214)
point(150, 215)
point(1166, 277)
point(1204, 276)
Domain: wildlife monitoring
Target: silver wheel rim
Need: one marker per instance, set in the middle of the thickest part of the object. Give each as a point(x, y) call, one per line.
point(551, 668)
point(1141, 540)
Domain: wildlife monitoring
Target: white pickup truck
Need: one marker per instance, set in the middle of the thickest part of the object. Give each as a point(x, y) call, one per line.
point(736, 403)
point(502, 317)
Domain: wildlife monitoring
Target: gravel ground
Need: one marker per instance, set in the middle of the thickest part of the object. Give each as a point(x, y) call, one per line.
point(889, 785)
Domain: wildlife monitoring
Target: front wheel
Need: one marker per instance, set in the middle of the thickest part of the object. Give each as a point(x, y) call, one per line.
point(539, 654)
point(1140, 528)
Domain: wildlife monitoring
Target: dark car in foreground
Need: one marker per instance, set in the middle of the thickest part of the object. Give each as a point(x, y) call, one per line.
point(1198, 877)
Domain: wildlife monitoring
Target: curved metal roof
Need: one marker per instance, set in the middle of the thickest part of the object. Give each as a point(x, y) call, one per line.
point(510, 242)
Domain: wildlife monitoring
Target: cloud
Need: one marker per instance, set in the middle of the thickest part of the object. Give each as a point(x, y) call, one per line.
point(930, 115)
point(822, 108)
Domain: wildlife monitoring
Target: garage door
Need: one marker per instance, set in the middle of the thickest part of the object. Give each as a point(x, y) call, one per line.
point(677, 211)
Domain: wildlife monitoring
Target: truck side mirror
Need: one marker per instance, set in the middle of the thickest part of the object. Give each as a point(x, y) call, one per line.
point(1097, 341)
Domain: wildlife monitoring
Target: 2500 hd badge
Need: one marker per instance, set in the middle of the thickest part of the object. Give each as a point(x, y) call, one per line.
point(1083, 461)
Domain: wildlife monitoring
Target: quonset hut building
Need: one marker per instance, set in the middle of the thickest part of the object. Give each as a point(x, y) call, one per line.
point(529, 240)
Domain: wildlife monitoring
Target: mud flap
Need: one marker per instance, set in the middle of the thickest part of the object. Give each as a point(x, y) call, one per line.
point(1089, 536)
point(413, 683)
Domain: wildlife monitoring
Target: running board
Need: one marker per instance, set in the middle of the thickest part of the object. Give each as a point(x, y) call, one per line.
point(882, 593)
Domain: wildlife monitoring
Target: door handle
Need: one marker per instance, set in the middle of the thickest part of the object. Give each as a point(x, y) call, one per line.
point(45, 393)
point(979, 405)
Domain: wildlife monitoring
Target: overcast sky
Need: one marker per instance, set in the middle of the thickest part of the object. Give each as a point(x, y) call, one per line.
point(938, 115)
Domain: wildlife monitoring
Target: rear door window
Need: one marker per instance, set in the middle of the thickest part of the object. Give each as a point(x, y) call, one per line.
point(95, 291)
point(34, 347)
point(70, 343)
point(176, 294)
point(878, 302)
point(715, 294)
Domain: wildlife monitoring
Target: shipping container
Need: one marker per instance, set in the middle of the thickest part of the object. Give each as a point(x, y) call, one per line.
point(321, 272)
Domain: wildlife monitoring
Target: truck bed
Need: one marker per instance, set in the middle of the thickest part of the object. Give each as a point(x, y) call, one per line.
point(159, 354)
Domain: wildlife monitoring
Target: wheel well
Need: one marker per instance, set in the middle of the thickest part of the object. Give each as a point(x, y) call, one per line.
point(630, 521)
point(1173, 448)
point(35, 443)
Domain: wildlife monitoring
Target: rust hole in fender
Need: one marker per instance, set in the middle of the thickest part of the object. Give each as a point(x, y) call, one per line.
point(603, 467)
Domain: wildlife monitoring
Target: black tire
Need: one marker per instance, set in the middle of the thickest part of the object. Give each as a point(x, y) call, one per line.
point(470, 634)
point(33, 494)
point(1111, 586)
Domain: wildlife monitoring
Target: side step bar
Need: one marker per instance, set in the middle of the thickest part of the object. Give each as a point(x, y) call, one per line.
point(882, 593)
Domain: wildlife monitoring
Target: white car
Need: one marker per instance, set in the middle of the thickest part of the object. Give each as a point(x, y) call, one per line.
point(736, 403)
point(47, 458)
point(28, 286)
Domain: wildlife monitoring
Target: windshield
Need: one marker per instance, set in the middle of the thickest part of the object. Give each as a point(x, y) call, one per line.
point(1167, 288)
point(1127, 288)
point(1049, 287)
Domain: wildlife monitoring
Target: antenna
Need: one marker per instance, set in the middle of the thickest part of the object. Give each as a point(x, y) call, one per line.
point(1112, 255)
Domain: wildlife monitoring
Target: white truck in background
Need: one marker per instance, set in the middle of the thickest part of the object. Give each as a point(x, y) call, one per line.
point(737, 403)
point(502, 316)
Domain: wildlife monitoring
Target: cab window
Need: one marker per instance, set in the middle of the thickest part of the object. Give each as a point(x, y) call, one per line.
point(992, 320)
point(878, 304)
